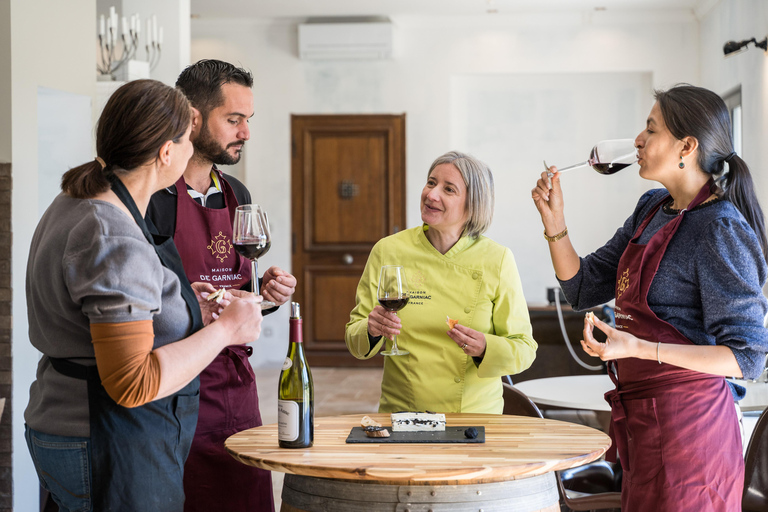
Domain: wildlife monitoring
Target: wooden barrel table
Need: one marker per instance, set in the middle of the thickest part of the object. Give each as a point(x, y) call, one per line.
point(512, 471)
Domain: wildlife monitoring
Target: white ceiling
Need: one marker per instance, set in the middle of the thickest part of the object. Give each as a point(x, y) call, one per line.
point(336, 8)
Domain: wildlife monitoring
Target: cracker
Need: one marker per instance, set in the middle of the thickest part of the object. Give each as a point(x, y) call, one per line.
point(367, 421)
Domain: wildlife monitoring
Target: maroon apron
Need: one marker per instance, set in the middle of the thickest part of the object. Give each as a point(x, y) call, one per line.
point(675, 429)
point(229, 403)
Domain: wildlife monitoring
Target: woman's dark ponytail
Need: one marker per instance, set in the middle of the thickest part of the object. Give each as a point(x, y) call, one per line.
point(84, 181)
point(739, 189)
point(700, 113)
point(137, 120)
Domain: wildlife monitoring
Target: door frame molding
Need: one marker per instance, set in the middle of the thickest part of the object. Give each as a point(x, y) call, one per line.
point(303, 129)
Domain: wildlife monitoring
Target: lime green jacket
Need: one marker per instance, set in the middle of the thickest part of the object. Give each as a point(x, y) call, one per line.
point(475, 282)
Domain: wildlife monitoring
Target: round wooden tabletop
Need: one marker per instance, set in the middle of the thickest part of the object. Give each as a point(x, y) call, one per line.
point(515, 447)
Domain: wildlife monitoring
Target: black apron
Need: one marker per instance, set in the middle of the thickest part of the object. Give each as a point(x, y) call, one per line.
point(138, 454)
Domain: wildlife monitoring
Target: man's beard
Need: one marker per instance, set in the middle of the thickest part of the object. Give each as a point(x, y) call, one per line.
point(207, 147)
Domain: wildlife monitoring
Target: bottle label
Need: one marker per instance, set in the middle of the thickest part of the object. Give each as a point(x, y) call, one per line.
point(287, 363)
point(287, 420)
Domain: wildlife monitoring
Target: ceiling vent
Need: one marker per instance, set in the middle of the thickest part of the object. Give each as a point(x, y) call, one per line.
point(345, 41)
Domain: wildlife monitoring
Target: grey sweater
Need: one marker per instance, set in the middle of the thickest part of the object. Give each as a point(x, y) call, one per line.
point(89, 263)
point(708, 285)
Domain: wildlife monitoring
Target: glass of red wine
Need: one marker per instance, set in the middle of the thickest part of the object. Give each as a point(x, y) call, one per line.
point(607, 157)
point(251, 237)
point(393, 294)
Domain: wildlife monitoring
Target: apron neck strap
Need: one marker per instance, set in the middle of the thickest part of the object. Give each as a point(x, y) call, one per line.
point(120, 190)
point(169, 256)
point(702, 196)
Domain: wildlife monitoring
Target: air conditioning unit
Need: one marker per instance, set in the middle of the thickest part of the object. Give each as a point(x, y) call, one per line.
point(345, 41)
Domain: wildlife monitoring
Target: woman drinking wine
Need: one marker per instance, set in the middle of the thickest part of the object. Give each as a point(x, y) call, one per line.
point(687, 271)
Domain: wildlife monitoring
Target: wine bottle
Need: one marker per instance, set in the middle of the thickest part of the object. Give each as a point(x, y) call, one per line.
point(296, 393)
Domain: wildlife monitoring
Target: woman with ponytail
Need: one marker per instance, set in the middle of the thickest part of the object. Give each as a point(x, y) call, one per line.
point(687, 271)
point(113, 408)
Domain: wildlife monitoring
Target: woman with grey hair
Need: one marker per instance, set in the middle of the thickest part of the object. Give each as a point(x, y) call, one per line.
point(454, 271)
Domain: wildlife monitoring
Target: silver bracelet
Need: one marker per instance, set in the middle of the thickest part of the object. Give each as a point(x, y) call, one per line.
point(658, 344)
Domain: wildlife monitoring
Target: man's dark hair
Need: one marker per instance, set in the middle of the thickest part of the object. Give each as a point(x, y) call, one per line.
point(201, 82)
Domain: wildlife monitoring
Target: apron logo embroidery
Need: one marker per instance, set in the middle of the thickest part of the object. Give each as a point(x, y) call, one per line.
point(623, 283)
point(220, 247)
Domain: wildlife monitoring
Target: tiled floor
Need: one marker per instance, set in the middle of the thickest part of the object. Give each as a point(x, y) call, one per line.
point(337, 391)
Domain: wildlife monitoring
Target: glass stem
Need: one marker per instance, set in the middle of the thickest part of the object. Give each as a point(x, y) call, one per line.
point(255, 276)
point(575, 166)
point(394, 340)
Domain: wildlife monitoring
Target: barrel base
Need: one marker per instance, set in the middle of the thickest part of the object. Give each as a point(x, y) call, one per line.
point(310, 494)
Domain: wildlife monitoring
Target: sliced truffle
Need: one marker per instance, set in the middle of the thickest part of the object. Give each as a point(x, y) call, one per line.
point(374, 431)
point(217, 295)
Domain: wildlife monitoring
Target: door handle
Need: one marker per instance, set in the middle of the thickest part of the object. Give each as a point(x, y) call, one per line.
point(347, 259)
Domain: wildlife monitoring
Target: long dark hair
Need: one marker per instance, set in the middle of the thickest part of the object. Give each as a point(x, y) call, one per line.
point(137, 120)
point(702, 114)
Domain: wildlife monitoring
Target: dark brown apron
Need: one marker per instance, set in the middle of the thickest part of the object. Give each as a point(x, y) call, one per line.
point(229, 402)
point(675, 429)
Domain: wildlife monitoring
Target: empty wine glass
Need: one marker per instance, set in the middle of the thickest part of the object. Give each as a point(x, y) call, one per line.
point(252, 239)
point(607, 157)
point(393, 296)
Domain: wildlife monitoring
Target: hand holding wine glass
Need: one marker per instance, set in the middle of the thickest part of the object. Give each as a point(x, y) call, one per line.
point(548, 198)
point(393, 295)
point(252, 239)
point(383, 323)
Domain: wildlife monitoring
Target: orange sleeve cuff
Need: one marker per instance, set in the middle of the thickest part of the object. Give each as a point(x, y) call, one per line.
point(129, 370)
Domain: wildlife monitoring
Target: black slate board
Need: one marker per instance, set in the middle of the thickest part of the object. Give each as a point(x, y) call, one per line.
point(451, 435)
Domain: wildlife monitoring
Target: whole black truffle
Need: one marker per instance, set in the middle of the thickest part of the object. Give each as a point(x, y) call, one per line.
point(470, 433)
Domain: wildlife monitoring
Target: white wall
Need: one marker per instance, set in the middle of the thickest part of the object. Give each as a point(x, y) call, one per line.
point(38, 59)
point(515, 121)
point(738, 20)
point(429, 53)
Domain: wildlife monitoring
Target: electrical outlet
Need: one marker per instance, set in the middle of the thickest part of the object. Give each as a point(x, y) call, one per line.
point(551, 295)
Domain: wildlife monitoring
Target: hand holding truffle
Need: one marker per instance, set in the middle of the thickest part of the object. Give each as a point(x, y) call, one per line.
point(212, 301)
point(618, 344)
point(472, 342)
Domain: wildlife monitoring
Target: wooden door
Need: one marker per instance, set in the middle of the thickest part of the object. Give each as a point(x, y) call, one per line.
point(347, 192)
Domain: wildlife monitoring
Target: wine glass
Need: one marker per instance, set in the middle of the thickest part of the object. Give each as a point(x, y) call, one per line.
point(607, 157)
point(393, 296)
point(252, 239)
